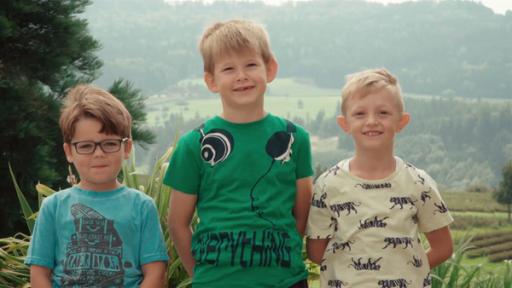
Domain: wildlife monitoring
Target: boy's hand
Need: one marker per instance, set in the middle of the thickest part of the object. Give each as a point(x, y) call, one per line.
point(441, 246)
point(316, 249)
point(181, 211)
point(40, 277)
point(302, 203)
point(154, 275)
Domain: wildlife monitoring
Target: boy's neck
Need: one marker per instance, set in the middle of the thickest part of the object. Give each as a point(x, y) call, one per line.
point(99, 187)
point(243, 115)
point(372, 166)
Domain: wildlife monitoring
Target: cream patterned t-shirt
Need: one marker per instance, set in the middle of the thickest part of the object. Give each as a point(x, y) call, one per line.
point(374, 225)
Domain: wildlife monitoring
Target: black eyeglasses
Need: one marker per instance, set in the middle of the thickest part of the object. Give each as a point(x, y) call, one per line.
point(107, 146)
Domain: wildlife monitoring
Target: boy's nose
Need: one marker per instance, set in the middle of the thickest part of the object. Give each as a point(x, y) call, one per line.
point(241, 75)
point(372, 120)
point(98, 151)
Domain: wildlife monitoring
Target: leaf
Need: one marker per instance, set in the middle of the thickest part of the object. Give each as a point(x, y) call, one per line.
point(44, 190)
point(25, 208)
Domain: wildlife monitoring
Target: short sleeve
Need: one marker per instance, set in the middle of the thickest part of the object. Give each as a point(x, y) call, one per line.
point(41, 251)
point(153, 247)
point(432, 210)
point(321, 224)
point(303, 154)
point(184, 169)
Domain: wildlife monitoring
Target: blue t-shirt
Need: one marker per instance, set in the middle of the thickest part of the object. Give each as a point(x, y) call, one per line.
point(99, 239)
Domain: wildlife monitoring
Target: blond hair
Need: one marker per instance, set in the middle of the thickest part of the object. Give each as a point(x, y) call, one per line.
point(233, 36)
point(369, 81)
point(87, 101)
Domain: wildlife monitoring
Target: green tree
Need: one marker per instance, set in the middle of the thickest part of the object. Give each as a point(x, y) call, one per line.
point(504, 193)
point(45, 49)
point(134, 102)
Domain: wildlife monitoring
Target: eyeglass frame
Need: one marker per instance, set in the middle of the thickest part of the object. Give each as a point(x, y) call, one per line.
point(99, 143)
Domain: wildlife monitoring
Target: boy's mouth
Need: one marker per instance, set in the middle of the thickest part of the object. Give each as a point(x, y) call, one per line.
point(244, 88)
point(372, 133)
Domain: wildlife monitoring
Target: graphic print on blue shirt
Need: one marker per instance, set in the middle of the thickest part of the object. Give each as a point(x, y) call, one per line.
point(94, 254)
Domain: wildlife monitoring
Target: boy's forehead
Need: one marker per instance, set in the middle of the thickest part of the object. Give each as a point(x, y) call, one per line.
point(238, 52)
point(383, 92)
point(226, 56)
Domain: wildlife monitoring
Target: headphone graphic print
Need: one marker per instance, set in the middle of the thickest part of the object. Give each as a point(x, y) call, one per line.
point(217, 145)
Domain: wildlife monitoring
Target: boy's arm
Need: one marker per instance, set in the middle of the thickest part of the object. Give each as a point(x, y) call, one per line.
point(302, 203)
point(154, 274)
point(40, 277)
point(316, 249)
point(441, 246)
point(181, 211)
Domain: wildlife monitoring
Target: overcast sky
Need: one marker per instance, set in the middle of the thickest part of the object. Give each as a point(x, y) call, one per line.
point(499, 6)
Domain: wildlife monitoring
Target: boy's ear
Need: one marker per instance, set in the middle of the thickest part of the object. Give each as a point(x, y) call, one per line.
point(404, 120)
point(210, 82)
point(128, 145)
point(272, 68)
point(342, 122)
point(67, 150)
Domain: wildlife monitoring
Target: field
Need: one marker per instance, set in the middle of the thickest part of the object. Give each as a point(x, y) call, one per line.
point(285, 97)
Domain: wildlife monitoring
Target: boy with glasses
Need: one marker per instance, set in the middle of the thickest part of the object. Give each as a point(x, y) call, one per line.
point(98, 233)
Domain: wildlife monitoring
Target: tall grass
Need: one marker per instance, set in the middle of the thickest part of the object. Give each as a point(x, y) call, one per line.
point(453, 274)
point(13, 273)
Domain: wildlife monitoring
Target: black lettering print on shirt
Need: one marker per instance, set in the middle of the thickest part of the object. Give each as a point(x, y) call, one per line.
point(375, 222)
point(400, 283)
point(333, 170)
point(396, 241)
point(401, 201)
point(365, 265)
point(368, 186)
point(427, 282)
point(426, 195)
point(335, 246)
point(267, 248)
point(334, 224)
point(416, 262)
point(346, 206)
point(319, 202)
point(336, 284)
point(441, 208)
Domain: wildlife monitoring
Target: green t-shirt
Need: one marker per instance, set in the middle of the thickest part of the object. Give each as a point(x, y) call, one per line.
point(244, 176)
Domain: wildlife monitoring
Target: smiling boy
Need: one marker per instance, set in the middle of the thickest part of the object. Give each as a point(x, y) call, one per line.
point(367, 211)
point(237, 170)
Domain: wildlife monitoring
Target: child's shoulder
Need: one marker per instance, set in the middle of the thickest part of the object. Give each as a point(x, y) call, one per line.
point(418, 175)
point(136, 194)
point(338, 170)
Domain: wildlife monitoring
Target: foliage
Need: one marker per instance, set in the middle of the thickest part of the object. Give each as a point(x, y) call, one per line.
point(13, 272)
point(320, 41)
point(504, 193)
point(133, 99)
point(453, 273)
point(45, 50)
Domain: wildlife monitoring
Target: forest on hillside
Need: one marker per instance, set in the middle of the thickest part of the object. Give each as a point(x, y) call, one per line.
point(462, 144)
point(447, 48)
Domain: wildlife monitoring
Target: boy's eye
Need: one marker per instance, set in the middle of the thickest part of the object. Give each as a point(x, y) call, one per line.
point(227, 68)
point(252, 65)
point(85, 146)
point(110, 143)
